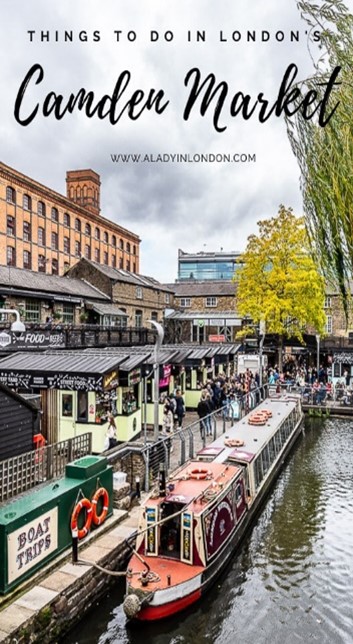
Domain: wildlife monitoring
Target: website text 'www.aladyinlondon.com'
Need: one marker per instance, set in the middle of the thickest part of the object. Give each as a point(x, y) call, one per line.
point(238, 157)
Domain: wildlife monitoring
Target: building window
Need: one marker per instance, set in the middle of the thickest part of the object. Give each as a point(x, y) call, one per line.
point(113, 261)
point(67, 405)
point(26, 231)
point(328, 302)
point(154, 316)
point(88, 229)
point(328, 327)
point(138, 318)
point(67, 220)
point(10, 195)
point(139, 294)
point(68, 313)
point(55, 267)
point(113, 240)
point(78, 225)
point(27, 259)
point(167, 298)
point(185, 302)
point(128, 265)
point(211, 301)
point(87, 251)
point(10, 226)
point(97, 255)
point(134, 250)
point(134, 268)
point(121, 263)
point(27, 202)
point(77, 249)
point(82, 406)
point(105, 257)
point(128, 247)
point(105, 237)
point(32, 311)
point(97, 233)
point(41, 209)
point(41, 236)
point(54, 214)
point(67, 245)
point(41, 264)
point(54, 241)
point(10, 256)
point(122, 244)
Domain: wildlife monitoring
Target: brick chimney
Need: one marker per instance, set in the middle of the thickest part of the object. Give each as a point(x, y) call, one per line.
point(83, 187)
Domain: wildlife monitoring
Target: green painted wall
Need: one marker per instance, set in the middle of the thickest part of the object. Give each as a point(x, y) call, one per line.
point(37, 527)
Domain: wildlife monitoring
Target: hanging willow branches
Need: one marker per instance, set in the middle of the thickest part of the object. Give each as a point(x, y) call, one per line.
point(325, 154)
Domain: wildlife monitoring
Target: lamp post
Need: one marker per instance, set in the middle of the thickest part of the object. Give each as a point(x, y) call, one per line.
point(262, 330)
point(317, 353)
point(17, 326)
point(157, 346)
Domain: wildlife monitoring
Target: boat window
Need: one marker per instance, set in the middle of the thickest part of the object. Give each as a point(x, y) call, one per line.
point(170, 531)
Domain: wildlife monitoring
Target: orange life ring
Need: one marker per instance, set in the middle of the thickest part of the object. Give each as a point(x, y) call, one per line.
point(199, 474)
point(83, 504)
point(98, 519)
point(233, 442)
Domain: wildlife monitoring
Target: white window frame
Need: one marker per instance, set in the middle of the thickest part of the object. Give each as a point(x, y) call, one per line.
point(211, 301)
point(139, 293)
point(328, 325)
point(328, 302)
point(185, 302)
point(167, 298)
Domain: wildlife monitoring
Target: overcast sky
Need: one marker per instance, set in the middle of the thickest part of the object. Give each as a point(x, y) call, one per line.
point(192, 206)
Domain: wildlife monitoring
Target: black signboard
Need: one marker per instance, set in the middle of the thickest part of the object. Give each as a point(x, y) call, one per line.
point(31, 339)
point(66, 381)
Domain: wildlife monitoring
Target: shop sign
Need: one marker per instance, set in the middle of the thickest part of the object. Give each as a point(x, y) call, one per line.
point(111, 380)
point(35, 339)
point(134, 377)
point(70, 382)
point(31, 543)
point(344, 357)
point(217, 338)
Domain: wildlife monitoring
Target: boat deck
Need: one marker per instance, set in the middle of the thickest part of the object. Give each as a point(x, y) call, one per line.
point(164, 571)
point(254, 436)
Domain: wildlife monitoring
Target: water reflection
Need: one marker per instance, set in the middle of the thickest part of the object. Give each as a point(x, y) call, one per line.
point(292, 578)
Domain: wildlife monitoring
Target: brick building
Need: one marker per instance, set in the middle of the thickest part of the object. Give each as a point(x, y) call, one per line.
point(203, 309)
point(47, 232)
point(141, 298)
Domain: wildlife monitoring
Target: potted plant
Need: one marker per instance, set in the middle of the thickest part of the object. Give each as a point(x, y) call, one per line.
point(83, 317)
point(99, 415)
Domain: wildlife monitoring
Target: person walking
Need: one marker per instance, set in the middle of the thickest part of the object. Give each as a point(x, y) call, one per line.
point(203, 410)
point(180, 407)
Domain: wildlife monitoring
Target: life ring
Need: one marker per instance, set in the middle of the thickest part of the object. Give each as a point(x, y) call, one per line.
point(98, 519)
point(83, 504)
point(199, 474)
point(233, 442)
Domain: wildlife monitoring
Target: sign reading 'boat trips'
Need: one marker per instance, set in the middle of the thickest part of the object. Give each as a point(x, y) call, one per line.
point(31, 543)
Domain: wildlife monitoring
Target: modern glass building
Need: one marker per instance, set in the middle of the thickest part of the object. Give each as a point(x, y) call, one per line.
point(207, 266)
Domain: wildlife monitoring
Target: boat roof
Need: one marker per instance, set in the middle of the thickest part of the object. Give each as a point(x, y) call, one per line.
point(196, 493)
point(254, 436)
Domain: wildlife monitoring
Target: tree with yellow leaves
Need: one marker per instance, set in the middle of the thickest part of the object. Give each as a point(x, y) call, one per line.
point(278, 282)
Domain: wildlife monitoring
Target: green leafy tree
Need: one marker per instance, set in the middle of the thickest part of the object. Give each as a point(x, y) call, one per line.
point(325, 154)
point(278, 282)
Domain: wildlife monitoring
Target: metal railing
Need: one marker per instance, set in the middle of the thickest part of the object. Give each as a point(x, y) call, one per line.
point(23, 472)
point(182, 445)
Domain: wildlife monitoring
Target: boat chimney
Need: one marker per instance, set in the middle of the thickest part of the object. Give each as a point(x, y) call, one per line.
point(161, 479)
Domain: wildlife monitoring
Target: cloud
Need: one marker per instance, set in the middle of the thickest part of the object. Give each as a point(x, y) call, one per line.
point(169, 204)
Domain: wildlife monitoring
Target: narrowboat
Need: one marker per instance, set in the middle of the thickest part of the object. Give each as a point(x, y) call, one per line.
point(191, 524)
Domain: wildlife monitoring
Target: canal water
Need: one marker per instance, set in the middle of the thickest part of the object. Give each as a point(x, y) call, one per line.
point(292, 579)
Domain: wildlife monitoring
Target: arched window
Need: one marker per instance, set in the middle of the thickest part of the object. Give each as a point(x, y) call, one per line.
point(41, 208)
point(97, 233)
point(128, 247)
point(122, 244)
point(54, 214)
point(66, 220)
point(88, 229)
point(27, 202)
point(113, 240)
point(78, 225)
point(105, 237)
point(10, 195)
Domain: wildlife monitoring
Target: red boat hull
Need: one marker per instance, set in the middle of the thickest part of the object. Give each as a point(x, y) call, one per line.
point(151, 613)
